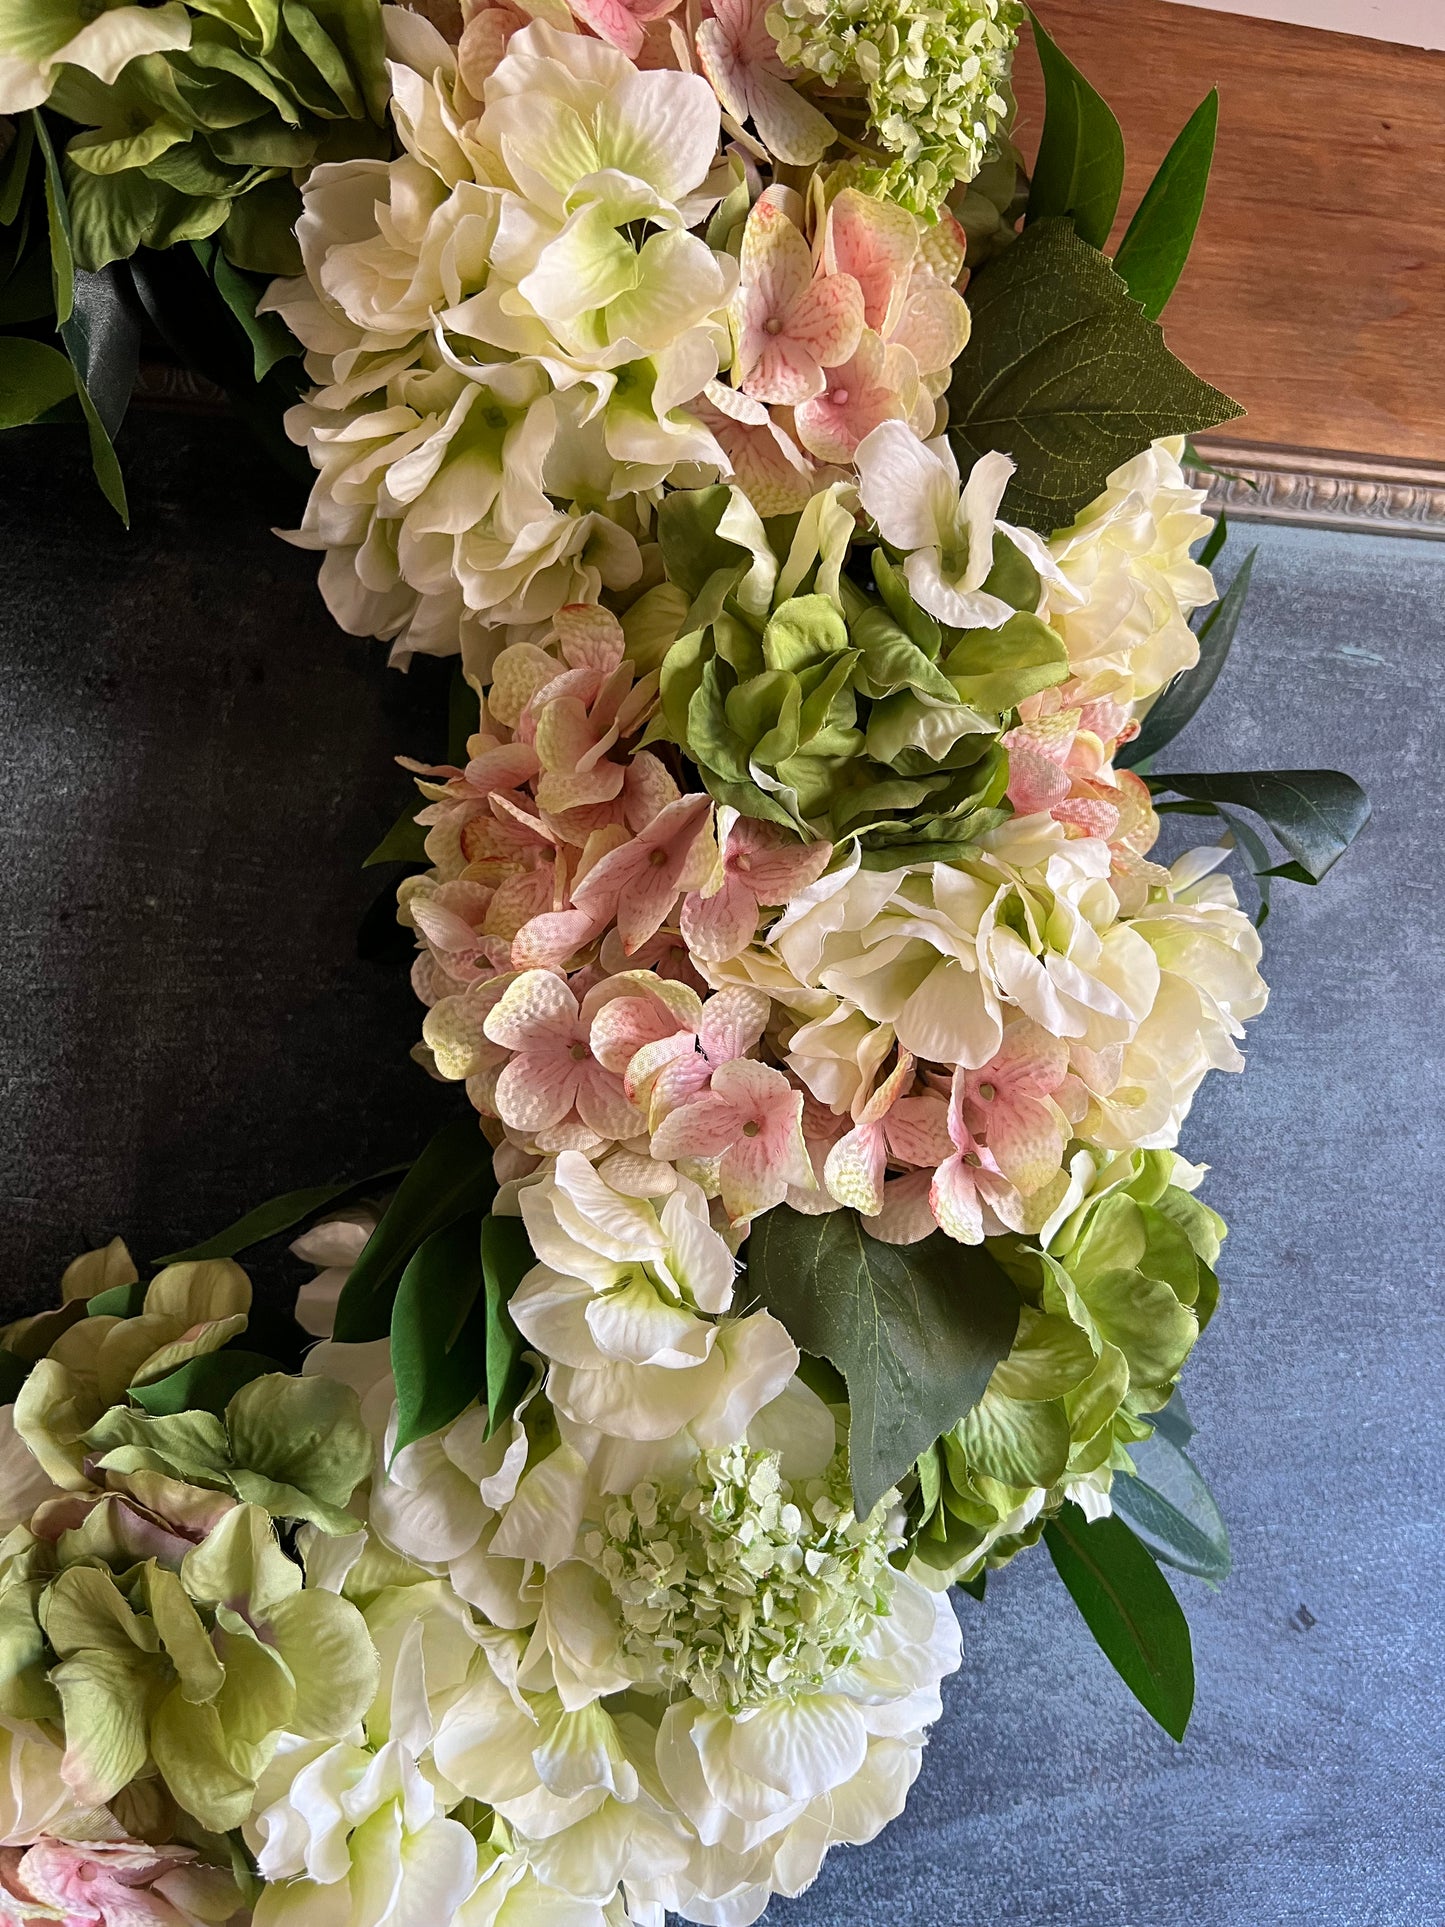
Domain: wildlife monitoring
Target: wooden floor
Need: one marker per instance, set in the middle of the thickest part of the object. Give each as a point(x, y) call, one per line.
point(1316, 291)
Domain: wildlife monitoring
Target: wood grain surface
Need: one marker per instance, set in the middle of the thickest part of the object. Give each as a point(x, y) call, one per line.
point(1316, 291)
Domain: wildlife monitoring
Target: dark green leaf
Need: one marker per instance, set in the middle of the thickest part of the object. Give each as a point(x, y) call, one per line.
point(974, 1587)
point(1172, 1421)
point(439, 1332)
point(1171, 1509)
point(277, 1215)
point(1186, 694)
point(1067, 375)
point(1315, 813)
point(13, 1374)
point(62, 255)
point(1256, 850)
point(1151, 256)
point(451, 1179)
point(916, 1330)
point(206, 1384)
point(404, 842)
point(271, 340)
point(1128, 1607)
point(33, 379)
point(121, 1301)
point(1217, 538)
point(507, 1257)
point(1080, 167)
point(15, 170)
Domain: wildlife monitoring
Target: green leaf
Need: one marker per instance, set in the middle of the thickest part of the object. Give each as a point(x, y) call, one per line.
point(1171, 1509)
point(15, 171)
point(451, 1179)
point(121, 1301)
point(1172, 1421)
point(205, 1384)
point(507, 1257)
point(1080, 167)
point(271, 340)
point(916, 1330)
point(438, 1332)
point(1315, 813)
point(1187, 693)
point(100, 335)
point(1217, 538)
point(279, 1214)
point(404, 842)
point(1151, 256)
point(1066, 375)
point(33, 379)
point(1128, 1607)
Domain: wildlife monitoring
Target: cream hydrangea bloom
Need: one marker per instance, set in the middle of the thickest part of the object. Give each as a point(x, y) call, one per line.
point(506, 326)
point(1129, 582)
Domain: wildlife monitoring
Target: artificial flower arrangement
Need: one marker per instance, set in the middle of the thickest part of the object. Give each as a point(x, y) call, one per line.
point(803, 494)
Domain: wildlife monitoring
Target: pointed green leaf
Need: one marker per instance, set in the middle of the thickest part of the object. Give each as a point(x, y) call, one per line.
point(1315, 813)
point(1080, 167)
point(1066, 375)
point(451, 1179)
point(121, 1301)
point(33, 380)
point(916, 1330)
point(439, 1332)
point(204, 1384)
point(1171, 1509)
point(1217, 538)
point(1178, 704)
point(1151, 256)
point(404, 842)
point(507, 1257)
point(1128, 1607)
point(271, 340)
point(275, 1216)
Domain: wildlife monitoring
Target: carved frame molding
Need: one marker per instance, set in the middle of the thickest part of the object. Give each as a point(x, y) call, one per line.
point(1315, 488)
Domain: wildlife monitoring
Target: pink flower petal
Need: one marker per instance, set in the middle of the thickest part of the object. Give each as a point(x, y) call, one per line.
point(535, 1091)
point(874, 242)
point(732, 1022)
point(536, 1010)
point(854, 1169)
point(720, 926)
point(703, 1128)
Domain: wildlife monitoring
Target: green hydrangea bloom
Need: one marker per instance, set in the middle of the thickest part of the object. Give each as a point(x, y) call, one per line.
point(1111, 1313)
point(810, 690)
point(935, 76)
point(188, 1664)
point(738, 1584)
point(209, 139)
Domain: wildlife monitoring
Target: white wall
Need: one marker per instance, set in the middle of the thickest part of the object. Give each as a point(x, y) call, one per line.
point(1416, 23)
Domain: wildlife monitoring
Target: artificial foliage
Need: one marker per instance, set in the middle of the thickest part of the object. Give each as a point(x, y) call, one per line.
point(805, 499)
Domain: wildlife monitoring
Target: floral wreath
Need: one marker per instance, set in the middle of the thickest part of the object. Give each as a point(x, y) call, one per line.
point(805, 496)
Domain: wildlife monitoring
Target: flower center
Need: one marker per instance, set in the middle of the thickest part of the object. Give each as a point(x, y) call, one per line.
point(839, 397)
point(741, 1586)
point(752, 1127)
point(987, 1093)
point(657, 858)
point(773, 325)
point(578, 1053)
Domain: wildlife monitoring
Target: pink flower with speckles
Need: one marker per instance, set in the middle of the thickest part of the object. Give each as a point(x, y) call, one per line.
point(740, 58)
point(875, 384)
point(762, 863)
point(789, 322)
point(553, 1084)
point(911, 1131)
point(747, 1128)
point(1009, 1104)
point(970, 1197)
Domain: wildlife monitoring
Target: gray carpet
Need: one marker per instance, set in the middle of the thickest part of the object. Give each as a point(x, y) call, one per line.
point(195, 763)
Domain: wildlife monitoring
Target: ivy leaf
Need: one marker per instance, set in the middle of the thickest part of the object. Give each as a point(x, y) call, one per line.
point(33, 380)
point(1128, 1607)
point(451, 1179)
point(271, 1218)
point(1171, 1509)
point(438, 1332)
point(1080, 167)
point(916, 1330)
point(1315, 813)
point(1150, 258)
point(507, 1257)
point(1187, 693)
point(1066, 375)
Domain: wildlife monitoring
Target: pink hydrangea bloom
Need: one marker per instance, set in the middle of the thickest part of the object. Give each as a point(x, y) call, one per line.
point(553, 1084)
point(909, 1130)
point(766, 463)
point(969, 1196)
point(740, 58)
point(762, 863)
point(1009, 1105)
point(113, 1883)
point(728, 1027)
point(874, 385)
point(746, 1126)
point(790, 323)
point(621, 22)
